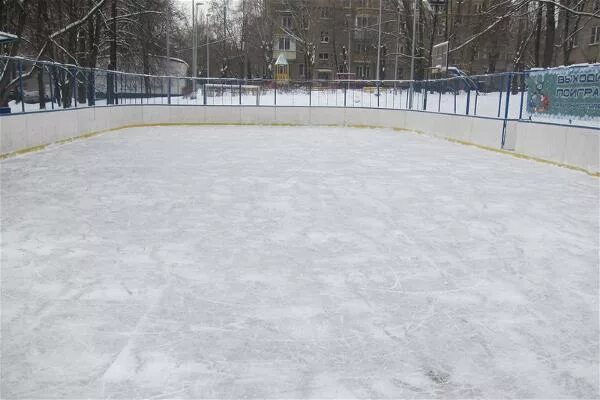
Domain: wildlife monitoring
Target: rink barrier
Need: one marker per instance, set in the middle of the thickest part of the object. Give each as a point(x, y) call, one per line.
point(573, 147)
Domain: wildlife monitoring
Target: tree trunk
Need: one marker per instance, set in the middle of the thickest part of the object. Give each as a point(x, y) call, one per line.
point(41, 28)
point(538, 36)
point(550, 33)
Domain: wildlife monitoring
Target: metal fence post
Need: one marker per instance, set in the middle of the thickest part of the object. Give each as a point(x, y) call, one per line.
point(310, 93)
point(506, 108)
point(240, 90)
point(523, 81)
point(378, 92)
point(50, 83)
point(345, 94)
point(169, 92)
point(91, 88)
point(275, 98)
point(20, 63)
point(204, 94)
point(468, 101)
point(425, 93)
point(500, 100)
point(74, 72)
point(125, 87)
point(455, 93)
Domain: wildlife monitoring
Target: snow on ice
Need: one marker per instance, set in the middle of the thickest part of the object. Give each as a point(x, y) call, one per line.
point(255, 262)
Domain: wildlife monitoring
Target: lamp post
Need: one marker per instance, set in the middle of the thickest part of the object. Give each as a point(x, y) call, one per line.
point(195, 46)
point(412, 59)
point(207, 47)
point(379, 42)
point(397, 46)
point(349, 22)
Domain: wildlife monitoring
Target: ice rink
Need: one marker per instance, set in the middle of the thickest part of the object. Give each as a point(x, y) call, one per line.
point(288, 262)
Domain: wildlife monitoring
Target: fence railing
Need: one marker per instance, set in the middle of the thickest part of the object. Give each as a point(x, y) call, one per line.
point(43, 85)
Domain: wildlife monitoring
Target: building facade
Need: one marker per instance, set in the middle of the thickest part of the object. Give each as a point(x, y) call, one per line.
point(583, 41)
point(329, 39)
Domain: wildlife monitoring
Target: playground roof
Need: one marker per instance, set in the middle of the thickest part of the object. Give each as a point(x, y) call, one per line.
point(281, 60)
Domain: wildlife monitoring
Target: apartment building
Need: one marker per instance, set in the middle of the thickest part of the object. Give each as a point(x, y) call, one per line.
point(585, 40)
point(327, 39)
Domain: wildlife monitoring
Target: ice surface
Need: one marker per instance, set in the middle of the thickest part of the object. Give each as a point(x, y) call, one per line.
point(263, 262)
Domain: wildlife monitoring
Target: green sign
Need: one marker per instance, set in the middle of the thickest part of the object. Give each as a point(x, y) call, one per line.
point(572, 92)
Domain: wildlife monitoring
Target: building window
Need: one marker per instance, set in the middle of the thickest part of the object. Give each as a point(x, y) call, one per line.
point(595, 38)
point(284, 43)
point(362, 71)
point(323, 56)
point(286, 21)
point(362, 21)
point(324, 12)
point(596, 5)
point(301, 70)
point(324, 37)
point(323, 76)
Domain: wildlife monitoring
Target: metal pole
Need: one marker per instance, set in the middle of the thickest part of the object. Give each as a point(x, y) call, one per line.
point(522, 79)
point(349, 46)
point(207, 47)
point(412, 59)
point(74, 77)
point(500, 99)
point(397, 48)
point(168, 69)
point(51, 87)
point(194, 50)
point(21, 85)
point(167, 72)
point(506, 108)
point(468, 101)
point(244, 54)
point(379, 48)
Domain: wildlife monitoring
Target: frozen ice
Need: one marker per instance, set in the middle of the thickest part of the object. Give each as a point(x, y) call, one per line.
point(269, 262)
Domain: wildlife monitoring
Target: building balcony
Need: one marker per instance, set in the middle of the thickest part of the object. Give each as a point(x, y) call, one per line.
point(289, 54)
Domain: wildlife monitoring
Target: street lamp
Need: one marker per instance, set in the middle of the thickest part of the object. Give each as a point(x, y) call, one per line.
point(379, 42)
point(412, 59)
point(349, 24)
point(414, 43)
point(207, 47)
point(195, 45)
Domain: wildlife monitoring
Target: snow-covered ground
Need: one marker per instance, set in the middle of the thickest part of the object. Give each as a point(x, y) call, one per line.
point(262, 262)
point(483, 104)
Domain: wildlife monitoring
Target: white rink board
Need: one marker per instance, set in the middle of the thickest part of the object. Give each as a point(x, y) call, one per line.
point(295, 262)
point(22, 131)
